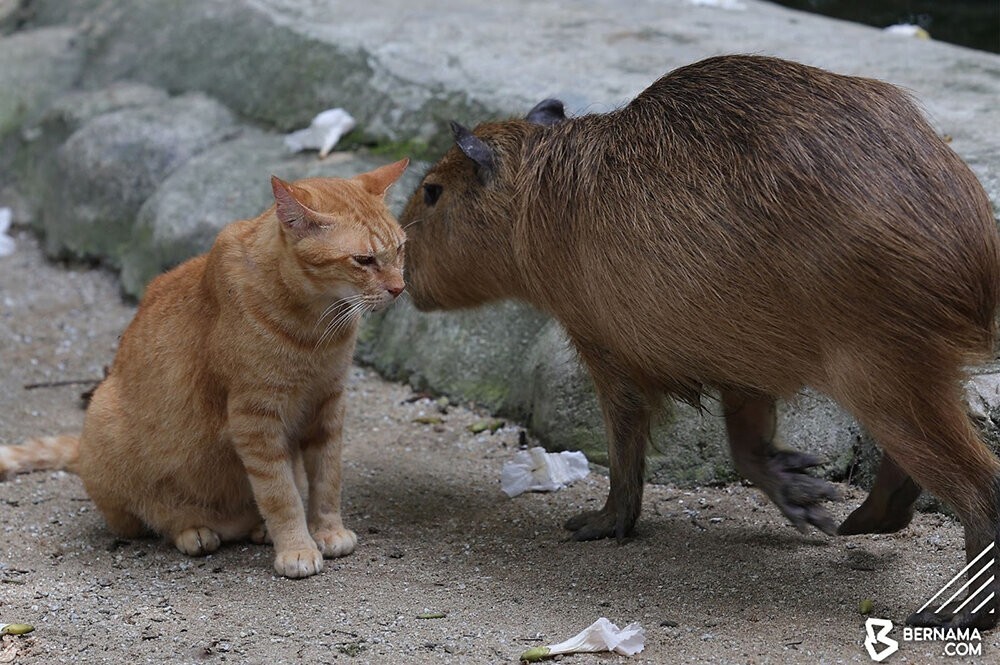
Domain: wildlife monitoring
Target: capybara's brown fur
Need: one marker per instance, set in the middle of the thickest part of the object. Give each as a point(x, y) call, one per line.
point(754, 226)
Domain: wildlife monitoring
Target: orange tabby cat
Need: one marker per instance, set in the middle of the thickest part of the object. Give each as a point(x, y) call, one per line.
point(225, 402)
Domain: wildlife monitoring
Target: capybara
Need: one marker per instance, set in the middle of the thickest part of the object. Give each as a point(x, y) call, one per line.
point(753, 226)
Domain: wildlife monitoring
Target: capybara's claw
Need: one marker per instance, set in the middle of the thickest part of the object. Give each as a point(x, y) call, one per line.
point(597, 524)
point(783, 476)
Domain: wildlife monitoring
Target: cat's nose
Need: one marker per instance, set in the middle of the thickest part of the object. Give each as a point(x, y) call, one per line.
point(395, 290)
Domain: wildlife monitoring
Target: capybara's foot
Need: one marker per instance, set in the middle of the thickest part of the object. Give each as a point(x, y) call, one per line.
point(889, 506)
point(298, 562)
point(592, 525)
point(197, 541)
point(335, 542)
point(870, 519)
point(597, 524)
point(783, 476)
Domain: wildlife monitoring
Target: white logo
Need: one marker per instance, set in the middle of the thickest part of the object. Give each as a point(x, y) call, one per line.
point(975, 594)
point(957, 641)
point(881, 637)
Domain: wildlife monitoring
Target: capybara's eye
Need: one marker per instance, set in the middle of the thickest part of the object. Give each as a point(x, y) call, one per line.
point(432, 193)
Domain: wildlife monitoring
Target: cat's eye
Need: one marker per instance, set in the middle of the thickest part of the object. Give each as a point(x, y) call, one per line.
point(364, 259)
point(432, 192)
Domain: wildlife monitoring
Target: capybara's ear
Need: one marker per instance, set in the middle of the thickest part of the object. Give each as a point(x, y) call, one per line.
point(477, 150)
point(547, 112)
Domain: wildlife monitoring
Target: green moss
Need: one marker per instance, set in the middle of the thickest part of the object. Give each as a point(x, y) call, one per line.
point(415, 149)
point(488, 394)
point(358, 140)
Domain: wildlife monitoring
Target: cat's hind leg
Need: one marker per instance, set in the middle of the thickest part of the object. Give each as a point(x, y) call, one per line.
point(120, 516)
point(122, 522)
point(198, 533)
point(197, 541)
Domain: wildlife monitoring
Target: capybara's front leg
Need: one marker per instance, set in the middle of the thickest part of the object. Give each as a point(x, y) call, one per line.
point(626, 417)
point(751, 424)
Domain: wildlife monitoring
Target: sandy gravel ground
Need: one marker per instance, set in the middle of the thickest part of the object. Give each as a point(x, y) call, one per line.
point(713, 574)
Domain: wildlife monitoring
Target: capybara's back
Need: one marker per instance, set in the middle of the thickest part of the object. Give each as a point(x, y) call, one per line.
point(753, 222)
point(751, 225)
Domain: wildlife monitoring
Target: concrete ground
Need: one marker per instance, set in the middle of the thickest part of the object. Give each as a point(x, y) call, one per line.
point(713, 574)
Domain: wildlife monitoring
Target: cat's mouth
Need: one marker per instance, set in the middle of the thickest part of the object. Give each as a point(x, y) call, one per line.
point(383, 301)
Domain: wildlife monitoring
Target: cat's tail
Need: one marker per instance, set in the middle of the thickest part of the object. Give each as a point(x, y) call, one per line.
point(46, 452)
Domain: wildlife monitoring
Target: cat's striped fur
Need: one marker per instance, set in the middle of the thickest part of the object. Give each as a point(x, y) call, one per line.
point(222, 414)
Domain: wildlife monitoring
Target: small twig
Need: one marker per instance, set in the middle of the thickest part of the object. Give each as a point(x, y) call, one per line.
point(59, 384)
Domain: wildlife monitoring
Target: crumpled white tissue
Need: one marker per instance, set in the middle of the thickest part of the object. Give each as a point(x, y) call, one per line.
point(731, 5)
point(322, 133)
point(907, 30)
point(535, 470)
point(602, 635)
point(6, 242)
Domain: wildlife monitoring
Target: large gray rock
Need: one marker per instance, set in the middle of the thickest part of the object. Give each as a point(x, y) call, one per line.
point(35, 67)
point(34, 166)
point(470, 355)
point(105, 171)
point(262, 65)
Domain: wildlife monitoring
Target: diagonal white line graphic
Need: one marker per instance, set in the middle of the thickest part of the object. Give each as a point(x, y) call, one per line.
point(973, 595)
point(960, 573)
point(965, 586)
point(980, 606)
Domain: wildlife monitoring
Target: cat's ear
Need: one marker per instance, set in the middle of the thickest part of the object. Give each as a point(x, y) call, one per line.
point(379, 181)
point(477, 150)
point(291, 212)
point(547, 112)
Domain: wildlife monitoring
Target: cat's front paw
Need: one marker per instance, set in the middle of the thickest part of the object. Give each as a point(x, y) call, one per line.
point(197, 541)
point(298, 563)
point(335, 542)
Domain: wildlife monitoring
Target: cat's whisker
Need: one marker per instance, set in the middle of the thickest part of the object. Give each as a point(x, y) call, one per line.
point(343, 304)
point(419, 219)
point(343, 319)
point(337, 327)
point(345, 308)
point(337, 323)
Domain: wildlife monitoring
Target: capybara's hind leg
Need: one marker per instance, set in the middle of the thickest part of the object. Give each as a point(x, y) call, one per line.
point(889, 506)
point(751, 424)
point(626, 417)
point(922, 424)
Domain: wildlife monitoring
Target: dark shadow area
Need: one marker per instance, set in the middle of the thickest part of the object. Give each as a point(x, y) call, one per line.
point(971, 23)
